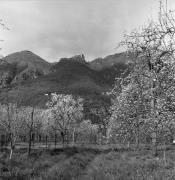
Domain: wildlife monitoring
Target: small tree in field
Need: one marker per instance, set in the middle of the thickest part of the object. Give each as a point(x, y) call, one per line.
point(65, 111)
point(10, 124)
point(29, 119)
point(103, 113)
point(87, 132)
point(48, 125)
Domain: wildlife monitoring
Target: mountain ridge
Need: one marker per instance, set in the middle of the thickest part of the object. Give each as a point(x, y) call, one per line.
point(69, 75)
point(21, 66)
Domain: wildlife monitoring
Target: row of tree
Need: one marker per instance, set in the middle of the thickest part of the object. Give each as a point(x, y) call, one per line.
point(62, 120)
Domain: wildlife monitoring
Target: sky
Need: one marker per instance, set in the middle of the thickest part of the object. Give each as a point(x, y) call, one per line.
point(63, 28)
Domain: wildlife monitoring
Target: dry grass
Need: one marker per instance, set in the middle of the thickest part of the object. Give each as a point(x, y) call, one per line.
point(88, 164)
point(131, 166)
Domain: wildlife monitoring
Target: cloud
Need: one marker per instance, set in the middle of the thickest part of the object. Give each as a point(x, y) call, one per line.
point(55, 29)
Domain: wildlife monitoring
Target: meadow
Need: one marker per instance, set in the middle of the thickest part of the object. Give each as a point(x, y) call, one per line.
point(88, 163)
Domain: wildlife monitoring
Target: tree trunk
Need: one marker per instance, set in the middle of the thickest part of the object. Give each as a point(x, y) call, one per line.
point(156, 152)
point(73, 137)
point(40, 138)
point(55, 139)
point(63, 136)
point(30, 143)
point(138, 137)
point(154, 142)
point(128, 145)
point(11, 153)
point(46, 141)
point(137, 142)
point(33, 139)
point(67, 137)
point(30, 131)
point(11, 146)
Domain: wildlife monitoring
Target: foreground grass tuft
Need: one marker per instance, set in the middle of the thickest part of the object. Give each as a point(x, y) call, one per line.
point(87, 164)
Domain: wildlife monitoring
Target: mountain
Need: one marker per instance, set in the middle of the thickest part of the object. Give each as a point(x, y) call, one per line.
point(69, 76)
point(108, 61)
point(77, 58)
point(29, 59)
point(6, 73)
point(21, 66)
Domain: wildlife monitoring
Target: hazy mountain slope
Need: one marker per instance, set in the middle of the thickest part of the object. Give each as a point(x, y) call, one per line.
point(22, 66)
point(27, 58)
point(69, 76)
point(6, 73)
point(108, 61)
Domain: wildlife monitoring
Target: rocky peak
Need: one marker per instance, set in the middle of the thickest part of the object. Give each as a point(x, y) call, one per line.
point(77, 58)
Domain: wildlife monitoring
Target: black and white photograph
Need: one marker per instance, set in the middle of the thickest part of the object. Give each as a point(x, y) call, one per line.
point(87, 89)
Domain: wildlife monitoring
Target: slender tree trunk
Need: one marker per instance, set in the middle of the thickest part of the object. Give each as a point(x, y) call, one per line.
point(138, 137)
point(30, 143)
point(137, 142)
point(30, 131)
point(33, 140)
point(67, 137)
point(164, 153)
point(91, 137)
point(128, 145)
point(63, 137)
point(55, 139)
point(73, 137)
point(156, 152)
point(11, 152)
point(46, 140)
point(11, 146)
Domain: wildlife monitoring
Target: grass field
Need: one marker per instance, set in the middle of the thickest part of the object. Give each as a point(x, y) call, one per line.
point(82, 163)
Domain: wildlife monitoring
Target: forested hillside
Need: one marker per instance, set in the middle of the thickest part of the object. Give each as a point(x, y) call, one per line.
point(33, 77)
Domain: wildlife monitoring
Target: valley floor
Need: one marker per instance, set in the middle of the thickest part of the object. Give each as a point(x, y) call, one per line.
point(82, 163)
